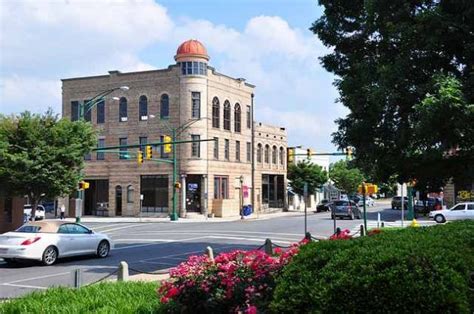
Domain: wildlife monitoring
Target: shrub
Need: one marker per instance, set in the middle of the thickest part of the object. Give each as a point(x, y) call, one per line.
point(120, 297)
point(235, 281)
point(411, 270)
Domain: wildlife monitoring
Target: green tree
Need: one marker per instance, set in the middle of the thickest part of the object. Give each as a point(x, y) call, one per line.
point(345, 178)
point(385, 55)
point(306, 172)
point(42, 156)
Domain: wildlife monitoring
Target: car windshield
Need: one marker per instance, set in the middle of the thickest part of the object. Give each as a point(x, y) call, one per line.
point(29, 229)
point(341, 203)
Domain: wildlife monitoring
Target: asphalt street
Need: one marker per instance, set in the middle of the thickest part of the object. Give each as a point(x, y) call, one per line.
point(153, 246)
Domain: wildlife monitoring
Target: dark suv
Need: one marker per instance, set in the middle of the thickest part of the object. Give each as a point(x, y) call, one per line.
point(424, 207)
point(397, 202)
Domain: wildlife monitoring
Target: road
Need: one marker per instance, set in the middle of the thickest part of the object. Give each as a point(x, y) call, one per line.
point(153, 246)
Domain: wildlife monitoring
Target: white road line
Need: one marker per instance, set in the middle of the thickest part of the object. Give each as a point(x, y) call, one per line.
point(248, 239)
point(39, 277)
point(223, 231)
point(159, 263)
point(292, 239)
point(142, 240)
point(187, 253)
point(24, 286)
point(120, 228)
point(155, 242)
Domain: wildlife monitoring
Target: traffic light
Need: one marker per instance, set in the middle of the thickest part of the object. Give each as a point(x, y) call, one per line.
point(309, 153)
point(83, 185)
point(149, 152)
point(167, 139)
point(177, 185)
point(290, 155)
point(139, 157)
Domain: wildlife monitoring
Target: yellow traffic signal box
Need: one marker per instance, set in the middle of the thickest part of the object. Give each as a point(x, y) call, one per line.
point(168, 147)
point(149, 152)
point(139, 157)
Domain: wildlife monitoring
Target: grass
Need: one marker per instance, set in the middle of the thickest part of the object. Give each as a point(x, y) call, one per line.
point(123, 297)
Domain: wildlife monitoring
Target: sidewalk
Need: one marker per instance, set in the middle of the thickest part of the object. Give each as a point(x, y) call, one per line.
point(191, 219)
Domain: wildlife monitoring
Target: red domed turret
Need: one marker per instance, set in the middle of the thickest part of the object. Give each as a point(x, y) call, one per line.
point(191, 49)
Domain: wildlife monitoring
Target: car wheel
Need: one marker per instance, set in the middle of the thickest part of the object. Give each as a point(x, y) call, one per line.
point(103, 249)
point(50, 255)
point(439, 219)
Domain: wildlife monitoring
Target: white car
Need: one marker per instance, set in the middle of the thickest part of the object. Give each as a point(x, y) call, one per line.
point(39, 213)
point(457, 212)
point(46, 241)
point(368, 201)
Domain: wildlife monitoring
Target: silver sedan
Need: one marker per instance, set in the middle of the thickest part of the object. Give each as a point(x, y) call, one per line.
point(46, 241)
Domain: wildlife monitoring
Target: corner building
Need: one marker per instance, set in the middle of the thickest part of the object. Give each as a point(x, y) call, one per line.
point(199, 103)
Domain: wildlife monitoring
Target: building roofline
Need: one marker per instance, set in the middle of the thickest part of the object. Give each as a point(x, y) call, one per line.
point(118, 73)
point(230, 77)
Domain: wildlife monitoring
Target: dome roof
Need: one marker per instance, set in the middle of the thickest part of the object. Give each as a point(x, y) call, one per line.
point(191, 48)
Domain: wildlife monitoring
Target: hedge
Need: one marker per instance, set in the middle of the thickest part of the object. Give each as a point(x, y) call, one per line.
point(427, 270)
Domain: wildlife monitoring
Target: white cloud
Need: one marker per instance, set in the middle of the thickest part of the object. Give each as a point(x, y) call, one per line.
point(43, 41)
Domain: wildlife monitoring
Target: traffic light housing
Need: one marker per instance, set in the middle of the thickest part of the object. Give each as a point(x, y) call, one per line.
point(309, 153)
point(167, 140)
point(290, 155)
point(140, 157)
point(177, 185)
point(149, 152)
point(83, 185)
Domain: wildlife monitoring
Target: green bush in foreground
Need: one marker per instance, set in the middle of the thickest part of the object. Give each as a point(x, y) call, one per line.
point(413, 270)
point(123, 297)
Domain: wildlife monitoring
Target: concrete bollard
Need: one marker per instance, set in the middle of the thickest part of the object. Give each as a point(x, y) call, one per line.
point(123, 272)
point(210, 253)
point(362, 231)
point(268, 247)
point(307, 236)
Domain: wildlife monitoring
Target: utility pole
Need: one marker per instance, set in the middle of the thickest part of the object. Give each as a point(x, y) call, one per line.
point(174, 214)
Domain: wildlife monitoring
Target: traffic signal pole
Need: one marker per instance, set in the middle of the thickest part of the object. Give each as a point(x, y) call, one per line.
point(174, 214)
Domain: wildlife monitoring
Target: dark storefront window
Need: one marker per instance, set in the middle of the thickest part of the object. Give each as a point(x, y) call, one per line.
point(87, 111)
point(100, 144)
point(155, 194)
point(273, 190)
point(74, 110)
point(221, 187)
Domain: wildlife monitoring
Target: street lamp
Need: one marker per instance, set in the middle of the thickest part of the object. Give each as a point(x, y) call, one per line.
point(85, 108)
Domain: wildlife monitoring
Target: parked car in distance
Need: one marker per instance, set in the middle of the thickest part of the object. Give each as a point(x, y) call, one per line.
point(368, 201)
point(457, 212)
point(397, 202)
point(323, 206)
point(344, 209)
point(424, 207)
point(46, 241)
point(39, 213)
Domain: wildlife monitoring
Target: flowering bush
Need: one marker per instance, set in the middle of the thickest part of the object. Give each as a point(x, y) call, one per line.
point(238, 281)
point(374, 232)
point(343, 235)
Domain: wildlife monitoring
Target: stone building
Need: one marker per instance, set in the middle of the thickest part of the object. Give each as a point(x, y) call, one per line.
point(198, 103)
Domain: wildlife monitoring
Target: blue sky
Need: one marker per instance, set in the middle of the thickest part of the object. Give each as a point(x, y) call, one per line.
point(265, 41)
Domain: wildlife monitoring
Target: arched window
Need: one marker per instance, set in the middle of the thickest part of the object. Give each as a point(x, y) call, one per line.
point(274, 155)
point(215, 112)
point(226, 115)
point(259, 153)
point(237, 118)
point(129, 194)
point(267, 154)
point(143, 108)
point(164, 106)
point(282, 156)
point(123, 109)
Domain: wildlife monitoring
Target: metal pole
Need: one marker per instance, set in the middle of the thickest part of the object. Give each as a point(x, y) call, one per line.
point(411, 215)
point(402, 200)
point(365, 209)
point(252, 149)
point(305, 195)
point(333, 218)
point(174, 215)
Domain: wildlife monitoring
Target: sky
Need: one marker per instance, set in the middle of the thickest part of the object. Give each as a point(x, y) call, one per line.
point(267, 42)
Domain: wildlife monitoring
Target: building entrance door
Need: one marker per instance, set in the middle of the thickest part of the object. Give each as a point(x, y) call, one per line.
point(118, 200)
point(193, 193)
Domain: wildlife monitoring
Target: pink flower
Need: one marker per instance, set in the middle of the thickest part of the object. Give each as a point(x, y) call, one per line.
point(251, 310)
